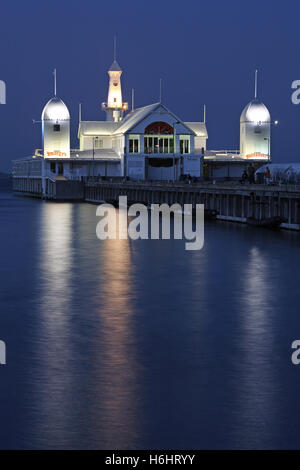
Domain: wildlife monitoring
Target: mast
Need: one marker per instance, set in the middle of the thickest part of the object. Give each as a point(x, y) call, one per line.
point(54, 73)
point(255, 85)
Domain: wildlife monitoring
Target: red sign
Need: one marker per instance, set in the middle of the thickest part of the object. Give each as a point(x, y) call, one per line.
point(56, 154)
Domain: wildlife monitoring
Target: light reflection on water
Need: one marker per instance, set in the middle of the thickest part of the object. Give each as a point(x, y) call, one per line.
point(112, 388)
point(121, 344)
point(258, 386)
point(54, 346)
point(117, 367)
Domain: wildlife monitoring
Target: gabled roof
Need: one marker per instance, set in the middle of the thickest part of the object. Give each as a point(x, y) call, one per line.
point(97, 127)
point(134, 118)
point(199, 128)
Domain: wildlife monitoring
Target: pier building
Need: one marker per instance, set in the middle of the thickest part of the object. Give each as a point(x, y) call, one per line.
point(147, 143)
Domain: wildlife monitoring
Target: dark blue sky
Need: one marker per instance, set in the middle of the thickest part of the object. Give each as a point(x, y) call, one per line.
point(206, 52)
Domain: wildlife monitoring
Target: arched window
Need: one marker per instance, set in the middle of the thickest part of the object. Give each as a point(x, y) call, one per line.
point(159, 138)
point(159, 128)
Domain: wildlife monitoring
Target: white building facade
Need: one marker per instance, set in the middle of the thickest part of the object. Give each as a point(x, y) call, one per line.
point(150, 142)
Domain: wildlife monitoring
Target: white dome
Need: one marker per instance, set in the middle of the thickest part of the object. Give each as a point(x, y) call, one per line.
point(255, 112)
point(55, 110)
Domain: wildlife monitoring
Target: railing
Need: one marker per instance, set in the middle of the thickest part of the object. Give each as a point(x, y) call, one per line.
point(50, 176)
point(235, 185)
point(221, 152)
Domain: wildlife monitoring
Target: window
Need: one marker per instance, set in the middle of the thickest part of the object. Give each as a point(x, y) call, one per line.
point(52, 167)
point(159, 128)
point(60, 169)
point(98, 143)
point(134, 144)
point(184, 145)
point(159, 138)
point(56, 128)
point(257, 128)
point(158, 144)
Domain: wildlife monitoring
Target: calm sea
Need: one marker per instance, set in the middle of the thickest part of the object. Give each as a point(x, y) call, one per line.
point(143, 345)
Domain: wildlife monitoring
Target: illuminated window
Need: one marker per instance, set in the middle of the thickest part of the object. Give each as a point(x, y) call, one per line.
point(159, 128)
point(161, 140)
point(158, 144)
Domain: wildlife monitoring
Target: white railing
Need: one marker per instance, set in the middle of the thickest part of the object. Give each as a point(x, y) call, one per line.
point(221, 153)
point(51, 176)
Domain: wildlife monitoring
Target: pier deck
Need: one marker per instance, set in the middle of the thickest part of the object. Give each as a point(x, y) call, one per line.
point(232, 201)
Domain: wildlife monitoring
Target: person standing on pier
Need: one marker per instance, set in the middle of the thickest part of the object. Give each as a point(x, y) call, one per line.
point(251, 172)
point(267, 175)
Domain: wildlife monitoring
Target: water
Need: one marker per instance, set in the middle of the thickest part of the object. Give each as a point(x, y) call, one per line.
point(142, 345)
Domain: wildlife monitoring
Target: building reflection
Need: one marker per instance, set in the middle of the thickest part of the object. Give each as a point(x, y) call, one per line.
point(118, 406)
point(53, 386)
point(255, 383)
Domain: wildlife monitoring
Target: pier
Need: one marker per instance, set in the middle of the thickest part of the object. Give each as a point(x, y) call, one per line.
point(232, 201)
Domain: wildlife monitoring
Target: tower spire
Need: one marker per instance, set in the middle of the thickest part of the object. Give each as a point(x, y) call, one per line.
point(255, 85)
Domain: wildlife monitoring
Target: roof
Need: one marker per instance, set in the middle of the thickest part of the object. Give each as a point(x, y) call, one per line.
point(199, 128)
point(115, 67)
point(97, 127)
point(55, 110)
point(255, 111)
point(134, 118)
